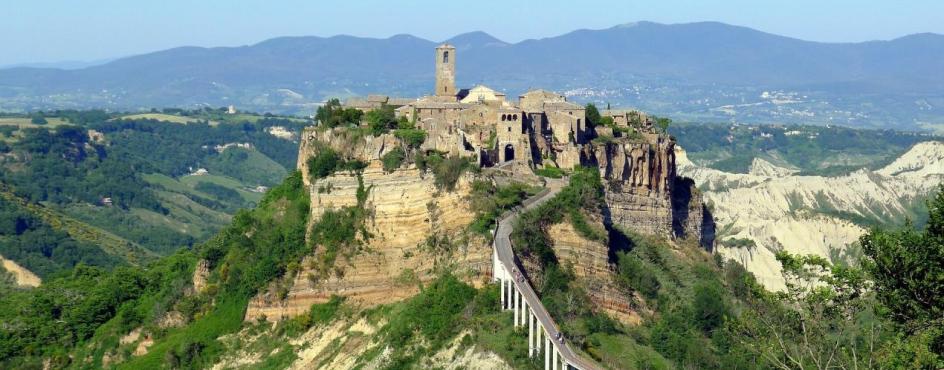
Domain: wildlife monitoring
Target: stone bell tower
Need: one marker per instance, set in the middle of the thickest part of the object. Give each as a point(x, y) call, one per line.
point(446, 70)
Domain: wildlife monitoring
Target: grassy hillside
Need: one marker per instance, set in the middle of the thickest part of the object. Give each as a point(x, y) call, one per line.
point(124, 180)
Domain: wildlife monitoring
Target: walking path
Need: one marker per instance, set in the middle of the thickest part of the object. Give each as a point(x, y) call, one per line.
point(518, 295)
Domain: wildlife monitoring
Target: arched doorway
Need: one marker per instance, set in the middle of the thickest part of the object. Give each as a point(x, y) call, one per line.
point(509, 152)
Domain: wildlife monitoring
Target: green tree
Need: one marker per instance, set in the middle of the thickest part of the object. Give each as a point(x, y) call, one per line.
point(333, 114)
point(381, 120)
point(821, 321)
point(593, 114)
point(393, 159)
point(38, 119)
point(663, 124)
point(907, 267)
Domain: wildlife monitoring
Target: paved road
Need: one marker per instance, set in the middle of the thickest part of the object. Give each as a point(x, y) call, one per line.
point(507, 257)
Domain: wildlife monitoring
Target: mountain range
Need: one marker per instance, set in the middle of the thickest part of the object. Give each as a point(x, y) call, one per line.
point(698, 70)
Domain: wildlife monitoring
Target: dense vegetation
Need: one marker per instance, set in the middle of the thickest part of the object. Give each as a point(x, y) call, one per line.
point(701, 312)
point(93, 305)
point(37, 246)
point(125, 174)
point(813, 150)
point(489, 201)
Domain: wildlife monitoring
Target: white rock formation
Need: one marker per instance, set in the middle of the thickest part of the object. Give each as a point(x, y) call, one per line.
point(809, 214)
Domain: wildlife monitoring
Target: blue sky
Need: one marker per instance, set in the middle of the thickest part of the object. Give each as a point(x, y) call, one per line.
point(58, 30)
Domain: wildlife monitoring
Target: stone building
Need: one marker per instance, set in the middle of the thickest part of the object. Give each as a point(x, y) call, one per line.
point(543, 129)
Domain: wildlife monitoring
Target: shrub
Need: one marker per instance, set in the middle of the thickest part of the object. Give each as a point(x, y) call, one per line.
point(548, 171)
point(433, 312)
point(709, 307)
point(38, 119)
point(634, 273)
point(380, 121)
point(446, 170)
point(323, 164)
point(393, 159)
point(328, 161)
point(412, 138)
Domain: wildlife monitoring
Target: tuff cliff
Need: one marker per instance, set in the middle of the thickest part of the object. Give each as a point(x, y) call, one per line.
point(415, 229)
point(643, 192)
point(590, 261)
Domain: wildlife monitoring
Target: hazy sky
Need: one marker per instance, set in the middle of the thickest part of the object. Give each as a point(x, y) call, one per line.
point(58, 30)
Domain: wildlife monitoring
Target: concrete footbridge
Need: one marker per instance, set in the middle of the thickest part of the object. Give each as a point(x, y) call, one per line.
point(544, 336)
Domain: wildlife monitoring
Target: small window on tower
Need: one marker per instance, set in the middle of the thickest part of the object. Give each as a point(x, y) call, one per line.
point(445, 57)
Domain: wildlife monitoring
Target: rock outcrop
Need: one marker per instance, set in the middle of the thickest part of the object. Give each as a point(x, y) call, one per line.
point(21, 276)
point(589, 260)
point(778, 210)
point(643, 192)
point(414, 227)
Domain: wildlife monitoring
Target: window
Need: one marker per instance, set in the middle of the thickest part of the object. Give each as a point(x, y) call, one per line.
point(445, 57)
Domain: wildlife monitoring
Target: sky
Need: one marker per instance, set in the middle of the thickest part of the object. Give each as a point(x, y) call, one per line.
point(36, 31)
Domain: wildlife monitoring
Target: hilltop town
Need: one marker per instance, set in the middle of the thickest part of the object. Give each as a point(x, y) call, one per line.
point(542, 129)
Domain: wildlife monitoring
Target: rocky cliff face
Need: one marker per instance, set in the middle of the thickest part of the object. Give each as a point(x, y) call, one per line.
point(644, 194)
point(590, 262)
point(415, 230)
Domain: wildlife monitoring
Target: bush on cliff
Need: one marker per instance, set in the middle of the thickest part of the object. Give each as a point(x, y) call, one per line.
point(393, 159)
point(447, 170)
point(327, 161)
point(413, 138)
point(332, 114)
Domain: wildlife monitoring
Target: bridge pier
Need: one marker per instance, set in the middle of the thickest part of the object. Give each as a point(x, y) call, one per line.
point(524, 311)
point(547, 352)
point(556, 358)
point(501, 283)
point(515, 303)
point(530, 334)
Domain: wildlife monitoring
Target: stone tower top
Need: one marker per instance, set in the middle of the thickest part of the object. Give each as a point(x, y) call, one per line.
point(446, 70)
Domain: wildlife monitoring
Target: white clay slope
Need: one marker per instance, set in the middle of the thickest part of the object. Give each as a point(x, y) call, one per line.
point(809, 214)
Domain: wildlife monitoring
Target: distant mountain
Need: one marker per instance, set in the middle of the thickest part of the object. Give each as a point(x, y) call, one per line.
point(686, 69)
point(65, 64)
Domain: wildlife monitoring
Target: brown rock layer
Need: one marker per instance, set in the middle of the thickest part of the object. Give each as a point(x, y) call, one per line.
point(590, 263)
point(405, 209)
